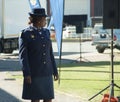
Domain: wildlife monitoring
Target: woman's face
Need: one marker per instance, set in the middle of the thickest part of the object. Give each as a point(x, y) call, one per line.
point(41, 21)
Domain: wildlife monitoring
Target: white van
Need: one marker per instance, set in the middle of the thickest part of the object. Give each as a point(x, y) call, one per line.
point(69, 32)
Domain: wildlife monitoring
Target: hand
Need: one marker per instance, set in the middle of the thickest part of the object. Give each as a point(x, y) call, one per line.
point(28, 79)
point(56, 77)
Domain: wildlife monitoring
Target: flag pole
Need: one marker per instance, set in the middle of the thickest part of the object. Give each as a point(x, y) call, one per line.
point(60, 56)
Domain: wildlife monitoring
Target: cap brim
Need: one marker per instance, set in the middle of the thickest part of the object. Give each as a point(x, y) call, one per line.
point(38, 15)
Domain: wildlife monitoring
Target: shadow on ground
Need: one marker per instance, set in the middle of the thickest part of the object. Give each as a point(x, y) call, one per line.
point(5, 96)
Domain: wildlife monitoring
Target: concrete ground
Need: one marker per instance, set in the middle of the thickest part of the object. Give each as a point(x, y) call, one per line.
point(11, 91)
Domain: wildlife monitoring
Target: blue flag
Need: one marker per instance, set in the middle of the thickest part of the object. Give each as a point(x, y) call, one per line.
point(34, 4)
point(57, 20)
point(57, 7)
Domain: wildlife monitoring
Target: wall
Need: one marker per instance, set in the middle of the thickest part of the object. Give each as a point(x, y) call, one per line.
point(76, 7)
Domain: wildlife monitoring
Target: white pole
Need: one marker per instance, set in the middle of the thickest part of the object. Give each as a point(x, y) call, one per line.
point(2, 18)
point(89, 18)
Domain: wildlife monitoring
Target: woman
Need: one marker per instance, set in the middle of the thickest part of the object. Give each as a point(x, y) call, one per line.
point(37, 60)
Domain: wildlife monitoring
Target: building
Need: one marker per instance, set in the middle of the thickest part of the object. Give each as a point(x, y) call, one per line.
point(77, 12)
point(80, 13)
point(96, 11)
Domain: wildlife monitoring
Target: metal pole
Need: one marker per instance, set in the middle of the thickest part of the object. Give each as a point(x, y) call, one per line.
point(89, 19)
point(80, 48)
point(112, 68)
point(112, 64)
point(2, 18)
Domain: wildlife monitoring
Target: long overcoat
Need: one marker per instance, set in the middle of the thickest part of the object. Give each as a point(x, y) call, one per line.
point(35, 53)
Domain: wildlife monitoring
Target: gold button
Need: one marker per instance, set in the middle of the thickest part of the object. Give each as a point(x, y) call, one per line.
point(44, 53)
point(43, 45)
point(44, 62)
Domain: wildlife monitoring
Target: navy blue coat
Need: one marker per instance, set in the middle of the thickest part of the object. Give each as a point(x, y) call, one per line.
point(35, 53)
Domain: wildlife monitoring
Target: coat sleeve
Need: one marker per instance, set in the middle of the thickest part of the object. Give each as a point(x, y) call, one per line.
point(55, 71)
point(23, 54)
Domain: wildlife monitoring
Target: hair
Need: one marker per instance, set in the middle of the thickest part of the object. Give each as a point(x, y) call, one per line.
point(34, 19)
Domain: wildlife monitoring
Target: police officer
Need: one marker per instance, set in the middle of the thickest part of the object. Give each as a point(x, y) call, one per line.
point(37, 59)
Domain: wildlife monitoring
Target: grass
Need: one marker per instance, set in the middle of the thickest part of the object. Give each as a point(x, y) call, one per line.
point(87, 78)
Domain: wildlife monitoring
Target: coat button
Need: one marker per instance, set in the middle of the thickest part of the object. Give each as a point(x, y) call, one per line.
point(42, 37)
point(43, 45)
point(44, 53)
point(44, 62)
